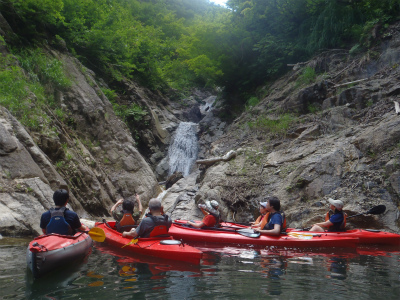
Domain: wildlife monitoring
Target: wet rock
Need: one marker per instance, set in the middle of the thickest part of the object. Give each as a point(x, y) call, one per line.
point(173, 179)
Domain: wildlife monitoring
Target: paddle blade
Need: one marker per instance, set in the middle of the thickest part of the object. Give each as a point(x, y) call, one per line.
point(97, 234)
point(248, 232)
point(134, 241)
point(377, 210)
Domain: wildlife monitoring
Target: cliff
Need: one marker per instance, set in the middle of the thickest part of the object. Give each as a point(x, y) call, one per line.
point(335, 135)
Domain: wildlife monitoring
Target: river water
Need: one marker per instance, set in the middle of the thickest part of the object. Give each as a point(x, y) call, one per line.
point(225, 273)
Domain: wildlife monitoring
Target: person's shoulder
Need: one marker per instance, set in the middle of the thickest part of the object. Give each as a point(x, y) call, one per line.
point(70, 213)
point(46, 213)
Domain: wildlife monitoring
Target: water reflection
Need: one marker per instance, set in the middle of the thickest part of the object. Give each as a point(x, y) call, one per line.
point(338, 267)
point(225, 273)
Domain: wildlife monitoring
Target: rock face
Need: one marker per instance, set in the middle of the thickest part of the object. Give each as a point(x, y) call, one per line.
point(304, 144)
point(92, 154)
point(341, 142)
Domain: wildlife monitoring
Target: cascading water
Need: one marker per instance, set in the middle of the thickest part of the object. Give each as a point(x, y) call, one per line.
point(183, 150)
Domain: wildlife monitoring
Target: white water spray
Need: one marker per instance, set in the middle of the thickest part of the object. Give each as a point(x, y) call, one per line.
point(183, 150)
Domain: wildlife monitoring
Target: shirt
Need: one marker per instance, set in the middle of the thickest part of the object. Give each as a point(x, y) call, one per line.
point(70, 217)
point(276, 218)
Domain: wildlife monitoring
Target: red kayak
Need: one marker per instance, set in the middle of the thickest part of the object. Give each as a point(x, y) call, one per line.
point(51, 251)
point(162, 247)
point(242, 236)
point(365, 236)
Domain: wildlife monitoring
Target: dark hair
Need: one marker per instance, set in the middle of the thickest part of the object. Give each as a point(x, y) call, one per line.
point(274, 202)
point(128, 205)
point(60, 197)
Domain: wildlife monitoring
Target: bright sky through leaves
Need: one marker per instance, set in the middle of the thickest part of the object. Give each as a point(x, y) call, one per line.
point(220, 2)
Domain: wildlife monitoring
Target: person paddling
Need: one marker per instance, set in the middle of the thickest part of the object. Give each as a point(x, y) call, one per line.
point(126, 217)
point(60, 219)
point(154, 224)
point(275, 220)
point(211, 215)
point(335, 219)
point(263, 217)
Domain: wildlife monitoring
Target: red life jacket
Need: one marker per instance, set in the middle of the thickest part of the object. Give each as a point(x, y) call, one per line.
point(126, 223)
point(161, 225)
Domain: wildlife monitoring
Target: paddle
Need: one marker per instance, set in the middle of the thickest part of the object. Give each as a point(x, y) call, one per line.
point(376, 210)
point(134, 241)
point(245, 231)
point(97, 234)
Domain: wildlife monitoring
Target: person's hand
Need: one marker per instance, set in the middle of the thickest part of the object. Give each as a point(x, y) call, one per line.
point(256, 229)
point(120, 201)
point(137, 197)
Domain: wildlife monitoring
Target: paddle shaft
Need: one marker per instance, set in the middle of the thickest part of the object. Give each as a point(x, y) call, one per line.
point(376, 210)
point(239, 230)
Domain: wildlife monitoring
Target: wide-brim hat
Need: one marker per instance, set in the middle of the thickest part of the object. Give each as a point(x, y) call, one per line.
point(336, 203)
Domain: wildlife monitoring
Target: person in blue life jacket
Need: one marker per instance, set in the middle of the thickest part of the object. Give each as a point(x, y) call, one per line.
point(335, 219)
point(154, 224)
point(126, 218)
point(276, 220)
point(60, 219)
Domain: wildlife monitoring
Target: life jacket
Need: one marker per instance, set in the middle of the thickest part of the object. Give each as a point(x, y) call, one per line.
point(161, 225)
point(57, 223)
point(336, 227)
point(217, 218)
point(268, 217)
point(263, 220)
point(126, 223)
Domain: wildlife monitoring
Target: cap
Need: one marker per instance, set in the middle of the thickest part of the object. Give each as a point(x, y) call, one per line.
point(336, 203)
point(214, 203)
point(210, 206)
point(263, 204)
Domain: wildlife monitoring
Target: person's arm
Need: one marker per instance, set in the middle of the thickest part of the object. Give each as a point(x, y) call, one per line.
point(131, 233)
point(324, 224)
point(83, 228)
point(139, 203)
point(119, 202)
point(197, 225)
point(43, 223)
point(275, 231)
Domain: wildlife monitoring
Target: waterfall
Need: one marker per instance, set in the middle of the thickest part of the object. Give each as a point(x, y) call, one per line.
point(182, 152)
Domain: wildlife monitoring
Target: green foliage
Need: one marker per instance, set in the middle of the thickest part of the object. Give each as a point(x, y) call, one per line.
point(274, 126)
point(43, 69)
point(110, 94)
point(133, 112)
point(22, 97)
point(308, 76)
point(312, 108)
point(253, 101)
point(189, 43)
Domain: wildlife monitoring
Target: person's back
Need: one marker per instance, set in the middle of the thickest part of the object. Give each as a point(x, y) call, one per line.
point(150, 223)
point(155, 223)
point(60, 219)
point(126, 218)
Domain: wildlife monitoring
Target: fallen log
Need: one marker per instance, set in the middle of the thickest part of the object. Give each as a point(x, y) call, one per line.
point(397, 107)
point(347, 83)
point(228, 156)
